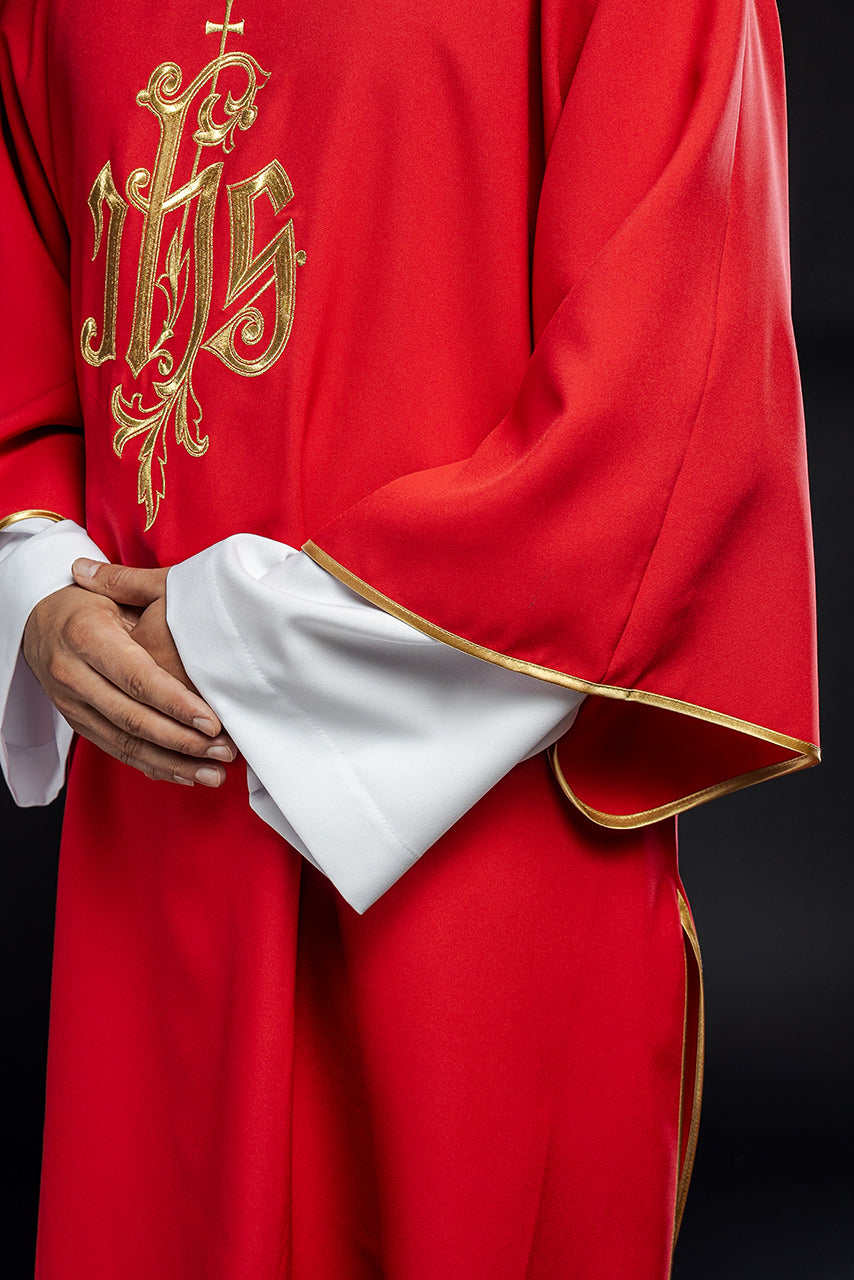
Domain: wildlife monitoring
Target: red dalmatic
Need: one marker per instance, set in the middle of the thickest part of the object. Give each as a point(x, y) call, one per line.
point(487, 305)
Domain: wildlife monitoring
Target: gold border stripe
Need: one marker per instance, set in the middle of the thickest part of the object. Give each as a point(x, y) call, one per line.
point(549, 673)
point(29, 515)
point(806, 753)
point(628, 821)
point(696, 1101)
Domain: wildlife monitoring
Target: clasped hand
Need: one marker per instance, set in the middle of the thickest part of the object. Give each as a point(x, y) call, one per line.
point(104, 655)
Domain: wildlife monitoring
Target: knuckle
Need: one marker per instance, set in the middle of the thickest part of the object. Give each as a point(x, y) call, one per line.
point(111, 577)
point(136, 684)
point(174, 710)
point(57, 669)
point(128, 746)
point(132, 723)
point(76, 632)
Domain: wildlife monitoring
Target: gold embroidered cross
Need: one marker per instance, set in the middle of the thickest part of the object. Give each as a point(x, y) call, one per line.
point(165, 333)
point(212, 27)
point(227, 28)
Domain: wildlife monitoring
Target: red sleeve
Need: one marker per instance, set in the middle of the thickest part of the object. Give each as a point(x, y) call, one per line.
point(638, 524)
point(41, 442)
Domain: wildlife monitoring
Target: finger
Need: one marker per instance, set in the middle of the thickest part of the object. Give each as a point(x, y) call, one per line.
point(154, 761)
point(127, 666)
point(153, 634)
point(140, 587)
point(96, 700)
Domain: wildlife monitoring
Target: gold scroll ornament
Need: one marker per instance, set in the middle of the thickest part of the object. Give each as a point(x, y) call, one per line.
point(184, 275)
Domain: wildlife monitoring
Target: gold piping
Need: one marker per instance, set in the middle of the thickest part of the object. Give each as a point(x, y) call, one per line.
point(680, 1125)
point(29, 515)
point(629, 821)
point(806, 753)
point(691, 1149)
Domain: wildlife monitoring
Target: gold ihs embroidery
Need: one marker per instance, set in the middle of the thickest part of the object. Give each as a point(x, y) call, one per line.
point(167, 280)
point(245, 269)
point(104, 192)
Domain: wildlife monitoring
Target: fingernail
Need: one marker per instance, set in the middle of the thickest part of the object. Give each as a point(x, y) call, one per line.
point(85, 568)
point(204, 726)
point(210, 777)
point(220, 753)
point(184, 782)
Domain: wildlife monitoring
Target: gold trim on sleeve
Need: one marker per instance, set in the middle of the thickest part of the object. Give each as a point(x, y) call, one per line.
point(29, 515)
point(805, 754)
point(646, 817)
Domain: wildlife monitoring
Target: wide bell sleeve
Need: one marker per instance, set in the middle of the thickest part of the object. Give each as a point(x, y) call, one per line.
point(326, 696)
point(36, 555)
point(41, 441)
point(637, 526)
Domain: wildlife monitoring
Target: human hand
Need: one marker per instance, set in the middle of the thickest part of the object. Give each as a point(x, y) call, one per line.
point(112, 692)
point(143, 593)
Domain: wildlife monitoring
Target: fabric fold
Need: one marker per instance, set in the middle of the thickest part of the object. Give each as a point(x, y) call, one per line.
point(365, 739)
point(35, 559)
point(651, 471)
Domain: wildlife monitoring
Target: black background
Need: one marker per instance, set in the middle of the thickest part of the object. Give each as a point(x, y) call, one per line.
point(769, 871)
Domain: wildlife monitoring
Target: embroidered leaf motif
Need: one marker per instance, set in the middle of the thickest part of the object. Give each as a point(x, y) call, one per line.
point(168, 404)
point(153, 423)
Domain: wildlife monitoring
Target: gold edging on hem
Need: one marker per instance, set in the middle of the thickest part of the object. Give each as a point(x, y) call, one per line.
point(29, 515)
point(806, 753)
point(630, 821)
point(680, 1124)
point(687, 1167)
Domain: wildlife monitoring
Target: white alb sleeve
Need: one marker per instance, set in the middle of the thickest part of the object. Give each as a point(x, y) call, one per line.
point(365, 740)
point(35, 559)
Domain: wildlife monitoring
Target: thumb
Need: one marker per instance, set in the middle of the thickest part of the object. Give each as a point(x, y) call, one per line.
point(139, 587)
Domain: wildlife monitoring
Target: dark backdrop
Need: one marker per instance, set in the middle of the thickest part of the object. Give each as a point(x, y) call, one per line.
point(768, 870)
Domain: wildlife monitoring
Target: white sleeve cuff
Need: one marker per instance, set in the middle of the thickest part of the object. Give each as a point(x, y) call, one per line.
point(365, 739)
point(35, 559)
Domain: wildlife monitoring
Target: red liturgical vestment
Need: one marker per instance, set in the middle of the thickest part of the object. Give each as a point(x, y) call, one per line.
point(486, 306)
